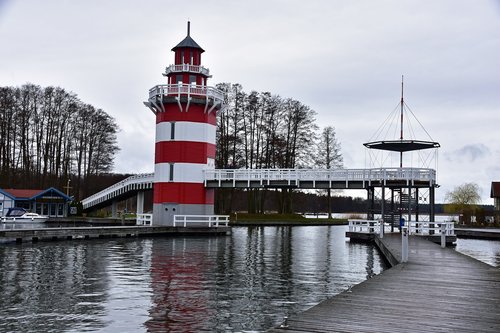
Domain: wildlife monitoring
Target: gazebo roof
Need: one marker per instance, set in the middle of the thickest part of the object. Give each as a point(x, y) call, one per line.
point(401, 145)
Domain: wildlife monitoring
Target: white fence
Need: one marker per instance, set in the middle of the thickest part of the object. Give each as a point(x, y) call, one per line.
point(265, 176)
point(13, 225)
point(201, 220)
point(414, 227)
point(144, 219)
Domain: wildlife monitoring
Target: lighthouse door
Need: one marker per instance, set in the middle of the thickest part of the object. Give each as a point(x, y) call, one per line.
point(169, 210)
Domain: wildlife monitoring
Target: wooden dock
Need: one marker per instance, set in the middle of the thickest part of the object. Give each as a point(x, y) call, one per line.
point(52, 234)
point(486, 233)
point(437, 290)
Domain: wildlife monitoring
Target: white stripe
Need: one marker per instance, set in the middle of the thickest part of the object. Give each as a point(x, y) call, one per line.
point(186, 131)
point(183, 172)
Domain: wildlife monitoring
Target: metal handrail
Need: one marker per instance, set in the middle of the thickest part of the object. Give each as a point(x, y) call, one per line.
point(420, 228)
point(430, 228)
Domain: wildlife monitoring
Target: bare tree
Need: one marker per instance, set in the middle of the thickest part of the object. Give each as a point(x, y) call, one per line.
point(328, 156)
point(48, 133)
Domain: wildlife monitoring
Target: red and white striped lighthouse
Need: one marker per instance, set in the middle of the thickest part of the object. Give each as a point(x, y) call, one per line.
point(186, 110)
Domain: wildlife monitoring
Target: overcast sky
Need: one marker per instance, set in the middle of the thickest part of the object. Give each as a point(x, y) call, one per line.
point(344, 59)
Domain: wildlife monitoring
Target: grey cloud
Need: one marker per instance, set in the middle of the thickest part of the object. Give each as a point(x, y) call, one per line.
point(470, 153)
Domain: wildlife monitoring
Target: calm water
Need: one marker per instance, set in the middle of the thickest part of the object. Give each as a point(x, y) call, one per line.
point(487, 251)
point(247, 281)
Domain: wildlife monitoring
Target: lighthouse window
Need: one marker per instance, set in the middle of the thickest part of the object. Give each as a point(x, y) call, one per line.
point(171, 173)
point(191, 56)
point(179, 78)
point(192, 79)
point(182, 57)
point(172, 131)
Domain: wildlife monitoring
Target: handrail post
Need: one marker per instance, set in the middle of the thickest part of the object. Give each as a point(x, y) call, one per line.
point(381, 226)
point(404, 244)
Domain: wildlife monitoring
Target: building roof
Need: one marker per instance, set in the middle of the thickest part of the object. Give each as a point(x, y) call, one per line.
point(31, 194)
point(21, 193)
point(495, 190)
point(188, 42)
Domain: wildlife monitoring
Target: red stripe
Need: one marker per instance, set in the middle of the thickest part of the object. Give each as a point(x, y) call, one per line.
point(196, 113)
point(183, 152)
point(183, 193)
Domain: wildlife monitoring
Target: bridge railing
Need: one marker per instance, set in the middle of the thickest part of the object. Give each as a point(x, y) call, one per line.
point(367, 175)
point(144, 219)
point(135, 179)
point(201, 220)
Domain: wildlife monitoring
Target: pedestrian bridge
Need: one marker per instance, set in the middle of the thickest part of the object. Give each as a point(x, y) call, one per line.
point(276, 178)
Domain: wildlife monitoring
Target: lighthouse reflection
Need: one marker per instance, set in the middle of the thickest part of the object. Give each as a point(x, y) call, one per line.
point(178, 281)
point(251, 279)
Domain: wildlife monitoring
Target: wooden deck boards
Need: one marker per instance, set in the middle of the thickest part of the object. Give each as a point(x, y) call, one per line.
point(42, 234)
point(437, 290)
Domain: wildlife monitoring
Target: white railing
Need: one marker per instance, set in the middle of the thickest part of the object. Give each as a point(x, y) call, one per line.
point(186, 89)
point(367, 226)
point(431, 228)
point(144, 219)
point(414, 227)
point(201, 220)
point(145, 178)
point(409, 175)
point(187, 68)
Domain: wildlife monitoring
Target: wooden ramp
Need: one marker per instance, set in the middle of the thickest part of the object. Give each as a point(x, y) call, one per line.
point(437, 290)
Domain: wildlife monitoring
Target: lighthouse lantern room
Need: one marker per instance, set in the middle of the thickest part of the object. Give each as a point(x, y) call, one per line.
point(186, 110)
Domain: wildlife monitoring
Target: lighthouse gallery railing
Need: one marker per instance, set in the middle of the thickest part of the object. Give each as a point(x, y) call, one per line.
point(185, 89)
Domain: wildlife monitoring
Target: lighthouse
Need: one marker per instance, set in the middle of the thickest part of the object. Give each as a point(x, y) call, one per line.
point(186, 111)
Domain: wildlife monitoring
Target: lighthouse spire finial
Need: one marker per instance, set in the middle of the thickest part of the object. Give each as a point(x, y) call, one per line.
point(189, 27)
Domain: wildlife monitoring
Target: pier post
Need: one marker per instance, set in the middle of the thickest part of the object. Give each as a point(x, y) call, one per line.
point(404, 244)
point(443, 234)
point(382, 220)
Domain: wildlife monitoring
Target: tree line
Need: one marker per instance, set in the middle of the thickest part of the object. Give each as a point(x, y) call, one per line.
point(49, 136)
point(260, 130)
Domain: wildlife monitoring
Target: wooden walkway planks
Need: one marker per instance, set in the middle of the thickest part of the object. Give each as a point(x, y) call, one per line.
point(437, 290)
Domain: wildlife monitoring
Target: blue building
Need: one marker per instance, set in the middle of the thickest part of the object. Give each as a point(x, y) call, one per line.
point(50, 202)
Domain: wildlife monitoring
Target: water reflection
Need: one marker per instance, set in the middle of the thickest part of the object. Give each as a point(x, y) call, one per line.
point(246, 281)
point(252, 279)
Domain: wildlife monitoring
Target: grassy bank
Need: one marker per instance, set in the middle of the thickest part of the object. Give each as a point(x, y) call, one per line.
point(243, 219)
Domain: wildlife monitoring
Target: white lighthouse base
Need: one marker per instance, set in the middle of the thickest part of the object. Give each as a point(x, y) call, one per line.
point(163, 214)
